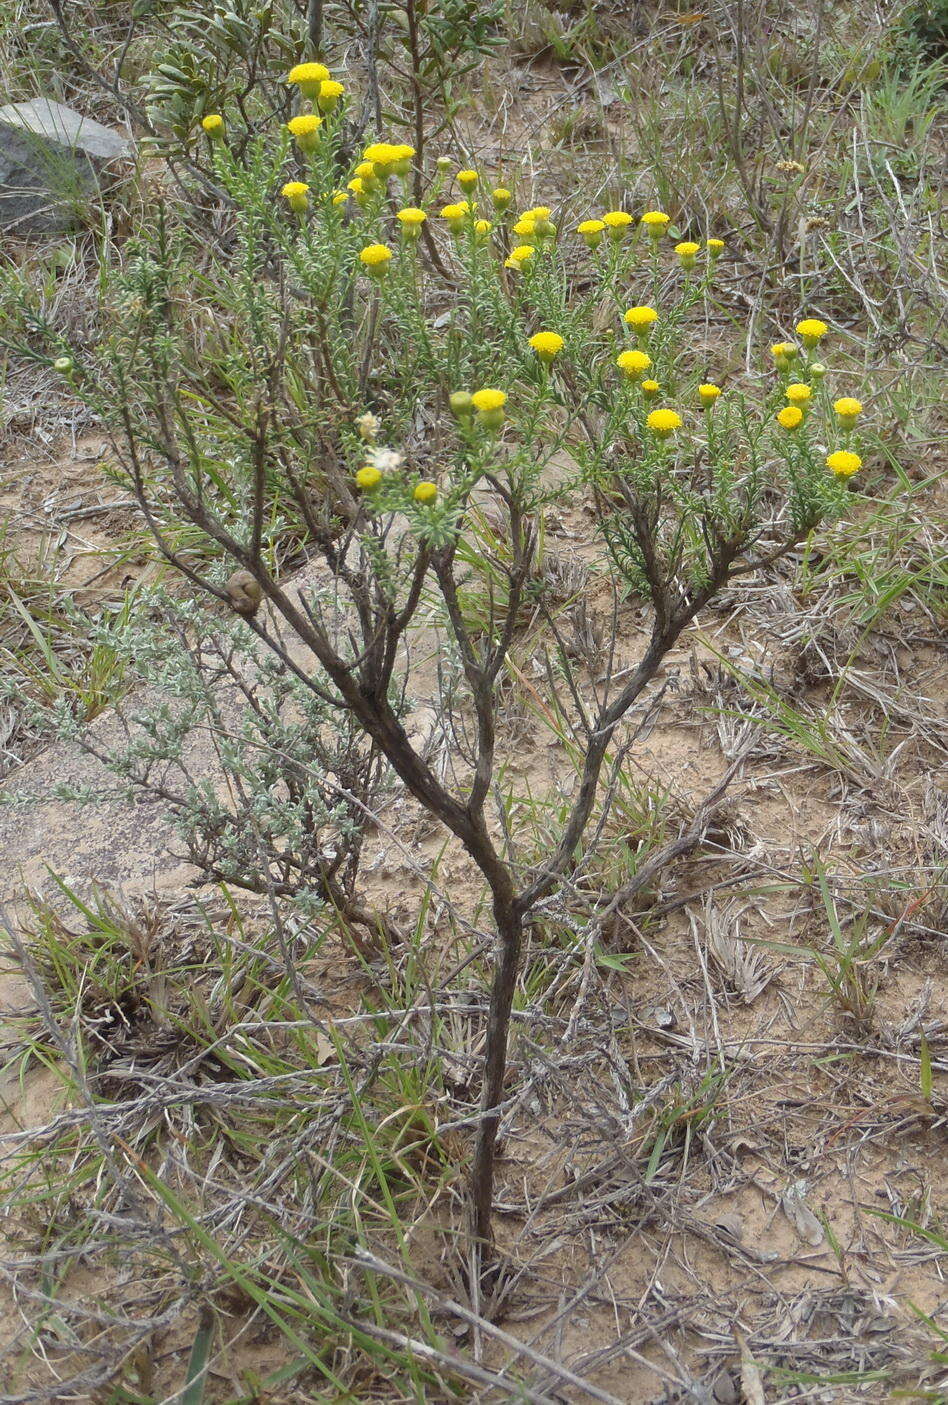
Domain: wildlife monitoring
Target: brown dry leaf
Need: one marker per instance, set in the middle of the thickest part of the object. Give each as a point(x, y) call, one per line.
point(800, 1215)
point(741, 965)
point(751, 1383)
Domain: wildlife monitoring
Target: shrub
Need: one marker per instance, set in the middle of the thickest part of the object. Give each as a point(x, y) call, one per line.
point(382, 378)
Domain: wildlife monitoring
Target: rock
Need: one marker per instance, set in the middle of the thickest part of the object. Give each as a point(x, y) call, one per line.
point(51, 160)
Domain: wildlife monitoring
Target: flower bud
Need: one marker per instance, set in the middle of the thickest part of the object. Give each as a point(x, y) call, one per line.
point(244, 593)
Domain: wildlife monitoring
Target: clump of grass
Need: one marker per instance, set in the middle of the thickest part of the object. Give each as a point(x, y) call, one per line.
point(236, 1145)
point(52, 657)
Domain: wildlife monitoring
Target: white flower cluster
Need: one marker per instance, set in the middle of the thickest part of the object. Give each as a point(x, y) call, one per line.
point(368, 426)
point(385, 460)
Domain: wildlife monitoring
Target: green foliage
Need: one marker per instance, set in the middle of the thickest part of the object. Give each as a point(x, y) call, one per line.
point(459, 33)
point(234, 56)
point(923, 25)
point(211, 54)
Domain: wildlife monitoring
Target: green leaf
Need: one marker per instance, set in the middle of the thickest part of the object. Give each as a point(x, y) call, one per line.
point(929, 1234)
point(196, 1378)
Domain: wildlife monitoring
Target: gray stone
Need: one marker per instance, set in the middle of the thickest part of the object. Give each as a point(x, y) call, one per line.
point(52, 159)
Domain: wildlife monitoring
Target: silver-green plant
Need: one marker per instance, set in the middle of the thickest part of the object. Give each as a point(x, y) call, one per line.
point(270, 787)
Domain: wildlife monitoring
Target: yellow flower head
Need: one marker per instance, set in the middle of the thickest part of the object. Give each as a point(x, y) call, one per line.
point(356, 185)
point(617, 222)
point(305, 129)
point(640, 319)
point(308, 73)
point(798, 394)
point(489, 405)
point(708, 393)
point(634, 364)
point(387, 157)
point(308, 77)
point(811, 329)
point(303, 125)
point(547, 345)
point(425, 492)
point(380, 153)
point(455, 216)
point(592, 232)
point(790, 417)
point(213, 124)
point(482, 228)
point(501, 198)
point(339, 197)
point(847, 410)
point(520, 256)
point(535, 222)
point(650, 389)
point(374, 259)
point(664, 422)
point(366, 172)
point(715, 248)
point(411, 219)
point(368, 478)
point(656, 222)
point(297, 193)
point(329, 94)
point(486, 400)
point(467, 180)
point(687, 253)
point(843, 463)
point(783, 353)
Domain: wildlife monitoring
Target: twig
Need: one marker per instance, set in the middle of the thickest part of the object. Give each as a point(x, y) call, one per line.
point(368, 1260)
